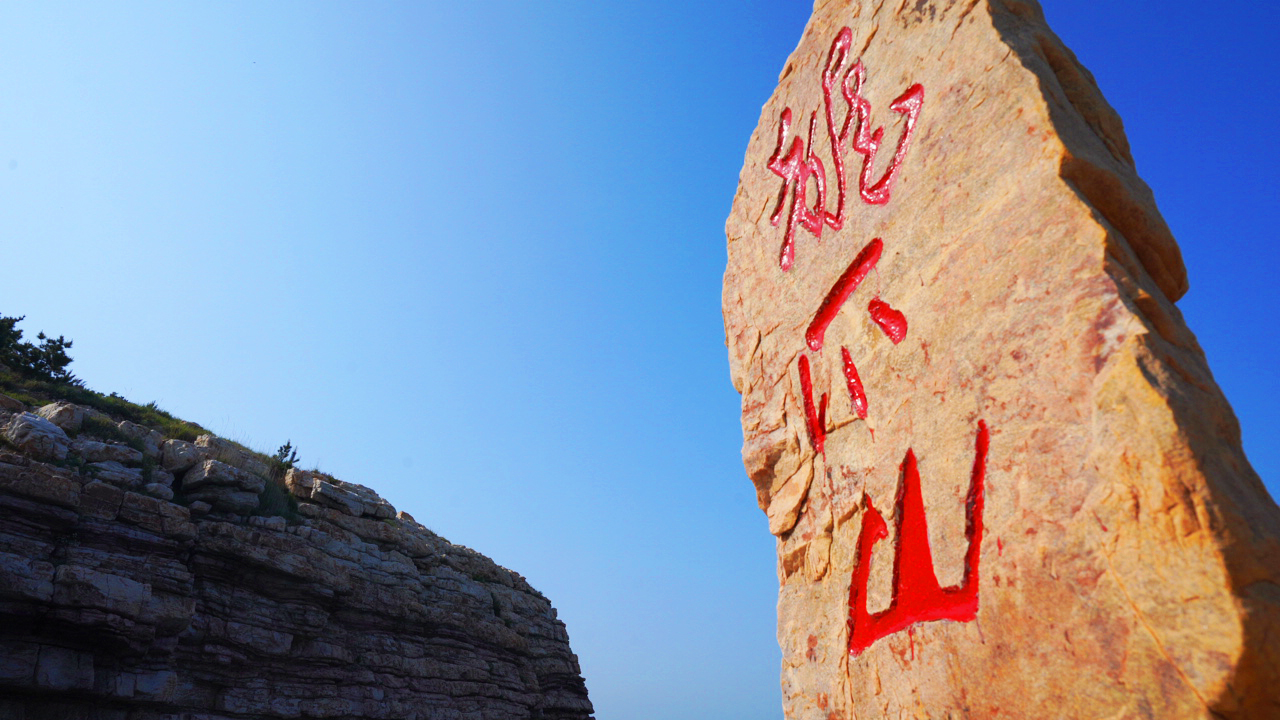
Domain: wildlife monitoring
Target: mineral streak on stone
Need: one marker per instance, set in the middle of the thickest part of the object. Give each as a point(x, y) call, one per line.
point(117, 603)
point(1122, 555)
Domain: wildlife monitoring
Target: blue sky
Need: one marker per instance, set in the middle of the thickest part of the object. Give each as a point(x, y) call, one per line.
point(470, 255)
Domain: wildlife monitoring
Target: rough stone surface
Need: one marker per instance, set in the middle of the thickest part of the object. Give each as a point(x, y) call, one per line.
point(63, 414)
point(11, 404)
point(151, 440)
point(228, 452)
point(160, 477)
point(224, 487)
point(160, 490)
point(119, 605)
point(214, 472)
point(1125, 557)
point(37, 437)
point(179, 455)
point(349, 498)
point(95, 451)
point(115, 473)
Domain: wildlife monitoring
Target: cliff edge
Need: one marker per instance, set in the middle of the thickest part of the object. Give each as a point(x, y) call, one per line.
point(147, 577)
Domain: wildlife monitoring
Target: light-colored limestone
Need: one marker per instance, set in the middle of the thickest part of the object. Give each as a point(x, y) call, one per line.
point(95, 451)
point(65, 415)
point(37, 437)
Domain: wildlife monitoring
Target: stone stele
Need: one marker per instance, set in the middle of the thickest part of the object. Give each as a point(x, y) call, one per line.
point(1003, 481)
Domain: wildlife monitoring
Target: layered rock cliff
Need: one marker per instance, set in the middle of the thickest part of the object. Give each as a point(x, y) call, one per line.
point(145, 577)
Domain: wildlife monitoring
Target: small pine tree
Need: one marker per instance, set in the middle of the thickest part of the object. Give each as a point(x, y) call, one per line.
point(50, 358)
point(11, 342)
point(283, 460)
point(47, 361)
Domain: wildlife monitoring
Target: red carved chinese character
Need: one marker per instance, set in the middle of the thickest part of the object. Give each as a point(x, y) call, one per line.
point(837, 58)
point(917, 597)
point(892, 322)
point(867, 143)
point(857, 394)
point(795, 168)
point(796, 163)
point(841, 290)
point(815, 419)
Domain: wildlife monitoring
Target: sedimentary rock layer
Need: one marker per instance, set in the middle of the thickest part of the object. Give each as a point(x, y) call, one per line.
point(1002, 479)
point(118, 603)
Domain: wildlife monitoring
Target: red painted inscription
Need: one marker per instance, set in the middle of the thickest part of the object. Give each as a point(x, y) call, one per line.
point(815, 419)
point(892, 322)
point(877, 193)
point(844, 287)
point(856, 392)
point(917, 597)
point(796, 163)
point(795, 168)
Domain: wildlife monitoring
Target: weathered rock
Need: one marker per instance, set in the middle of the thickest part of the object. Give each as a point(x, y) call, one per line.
point(231, 454)
point(324, 491)
point(82, 587)
point(985, 337)
point(159, 477)
point(301, 482)
point(227, 499)
point(118, 604)
point(37, 437)
point(160, 490)
point(113, 472)
point(179, 455)
point(352, 499)
point(63, 414)
point(22, 578)
point(11, 404)
point(226, 488)
point(214, 472)
point(101, 500)
point(61, 669)
point(151, 439)
point(50, 486)
point(95, 451)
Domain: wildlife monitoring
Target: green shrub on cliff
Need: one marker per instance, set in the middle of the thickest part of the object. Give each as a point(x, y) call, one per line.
point(46, 361)
point(276, 498)
point(37, 374)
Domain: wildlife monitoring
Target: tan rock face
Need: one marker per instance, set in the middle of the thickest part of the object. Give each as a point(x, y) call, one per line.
point(1002, 478)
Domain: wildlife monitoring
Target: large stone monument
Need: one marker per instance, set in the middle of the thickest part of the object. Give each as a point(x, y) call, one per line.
point(1002, 479)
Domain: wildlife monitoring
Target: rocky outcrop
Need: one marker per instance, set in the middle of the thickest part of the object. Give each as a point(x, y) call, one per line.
point(119, 603)
point(36, 436)
point(1002, 479)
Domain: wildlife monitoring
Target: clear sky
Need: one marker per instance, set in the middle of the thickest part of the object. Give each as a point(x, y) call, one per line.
point(469, 254)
